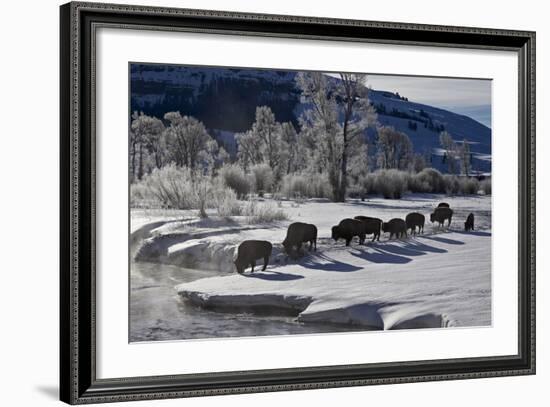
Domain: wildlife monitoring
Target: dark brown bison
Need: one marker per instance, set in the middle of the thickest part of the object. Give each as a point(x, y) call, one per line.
point(347, 229)
point(443, 205)
point(251, 250)
point(373, 226)
point(413, 220)
point(298, 233)
point(469, 224)
point(440, 215)
point(396, 227)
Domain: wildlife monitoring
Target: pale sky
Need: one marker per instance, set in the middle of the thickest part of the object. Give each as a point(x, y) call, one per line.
point(470, 97)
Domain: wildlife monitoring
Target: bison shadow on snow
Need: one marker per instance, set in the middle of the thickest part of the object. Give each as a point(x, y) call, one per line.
point(445, 240)
point(271, 275)
point(380, 256)
point(411, 248)
point(325, 263)
point(401, 253)
point(473, 233)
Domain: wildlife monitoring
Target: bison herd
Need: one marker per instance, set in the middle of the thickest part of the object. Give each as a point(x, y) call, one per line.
point(299, 233)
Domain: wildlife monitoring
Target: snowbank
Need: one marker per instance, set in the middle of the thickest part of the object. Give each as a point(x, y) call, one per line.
point(432, 281)
point(439, 279)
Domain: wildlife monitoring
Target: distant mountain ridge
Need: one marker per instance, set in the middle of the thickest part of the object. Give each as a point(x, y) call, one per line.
point(225, 100)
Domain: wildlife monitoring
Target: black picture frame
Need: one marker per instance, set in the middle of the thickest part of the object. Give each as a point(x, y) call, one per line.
point(78, 382)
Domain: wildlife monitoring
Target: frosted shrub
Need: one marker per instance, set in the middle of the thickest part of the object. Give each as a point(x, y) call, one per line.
point(202, 194)
point(392, 184)
point(235, 178)
point(452, 184)
point(427, 180)
point(485, 186)
point(172, 187)
point(294, 186)
point(306, 186)
point(469, 186)
point(262, 175)
point(318, 186)
point(356, 191)
point(177, 188)
point(263, 212)
point(369, 183)
point(420, 184)
point(141, 197)
point(226, 203)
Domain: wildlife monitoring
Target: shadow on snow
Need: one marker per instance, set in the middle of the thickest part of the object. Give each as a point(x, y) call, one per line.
point(381, 256)
point(326, 263)
point(388, 252)
point(474, 232)
point(445, 240)
point(271, 275)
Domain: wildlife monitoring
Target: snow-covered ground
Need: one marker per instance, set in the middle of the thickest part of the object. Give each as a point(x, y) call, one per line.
point(439, 279)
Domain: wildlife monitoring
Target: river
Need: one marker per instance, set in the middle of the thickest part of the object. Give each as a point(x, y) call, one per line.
point(158, 313)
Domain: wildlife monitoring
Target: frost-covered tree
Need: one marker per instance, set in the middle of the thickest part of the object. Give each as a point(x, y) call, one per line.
point(418, 163)
point(223, 156)
point(466, 158)
point(263, 143)
point(449, 146)
point(333, 127)
point(156, 147)
point(248, 149)
point(213, 156)
point(395, 149)
point(359, 162)
point(358, 114)
point(319, 126)
point(146, 133)
point(188, 139)
point(291, 154)
point(268, 130)
point(133, 152)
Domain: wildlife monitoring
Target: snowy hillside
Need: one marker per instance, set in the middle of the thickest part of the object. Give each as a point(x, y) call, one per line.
point(426, 138)
point(225, 100)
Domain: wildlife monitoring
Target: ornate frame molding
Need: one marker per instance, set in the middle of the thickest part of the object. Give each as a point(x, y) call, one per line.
point(78, 380)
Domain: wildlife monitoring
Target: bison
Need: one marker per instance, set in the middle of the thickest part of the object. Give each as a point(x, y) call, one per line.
point(413, 220)
point(251, 250)
point(372, 226)
point(298, 233)
point(443, 205)
point(347, 229)
point(396, 227)
point(469, 224)
point(440, 215)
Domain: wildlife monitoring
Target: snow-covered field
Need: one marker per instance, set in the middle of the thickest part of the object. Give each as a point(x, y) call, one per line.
point(439, 279)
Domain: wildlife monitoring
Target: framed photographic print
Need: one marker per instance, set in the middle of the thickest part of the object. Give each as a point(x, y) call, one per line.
point(256, 203)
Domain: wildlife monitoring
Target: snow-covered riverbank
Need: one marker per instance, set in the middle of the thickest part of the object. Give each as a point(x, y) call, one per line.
point(438, 279)
point(433, 281)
